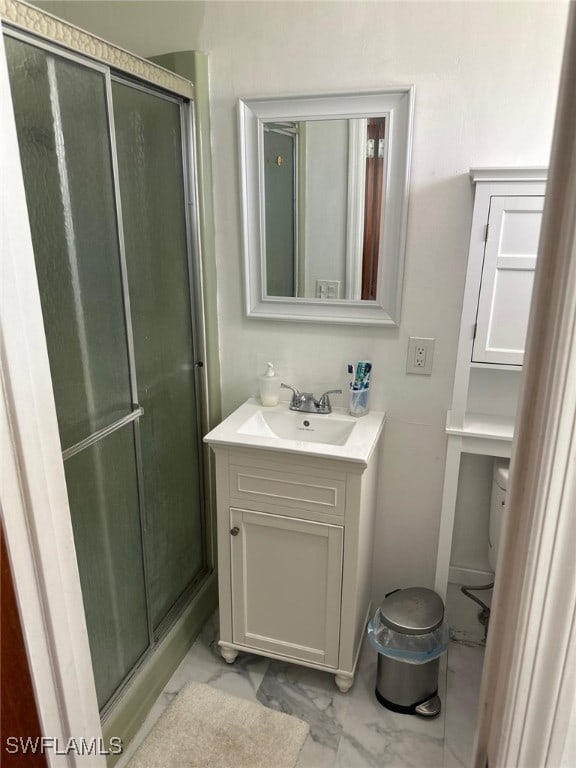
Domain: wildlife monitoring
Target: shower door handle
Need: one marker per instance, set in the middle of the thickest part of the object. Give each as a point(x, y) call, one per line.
point(133, 416)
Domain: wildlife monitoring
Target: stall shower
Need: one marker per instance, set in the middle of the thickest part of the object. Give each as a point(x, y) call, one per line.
point(105, 160)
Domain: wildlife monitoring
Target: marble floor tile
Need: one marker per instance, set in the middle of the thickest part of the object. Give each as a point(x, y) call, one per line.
point(308, 694)
point(462, 614)
point(204, 664)
point(465, 664)
point(375, 736)
point(389, 749)
point(316, 755)
point(305, 693)
point(351, 730)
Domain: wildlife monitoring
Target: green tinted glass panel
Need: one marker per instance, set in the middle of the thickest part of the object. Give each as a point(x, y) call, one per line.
point(149, 144)
point(103, 496)
point(280, 214)
point(62, 127)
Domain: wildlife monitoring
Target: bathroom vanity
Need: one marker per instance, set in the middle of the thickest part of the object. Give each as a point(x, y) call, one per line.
point(295, 503)
point(506, 220)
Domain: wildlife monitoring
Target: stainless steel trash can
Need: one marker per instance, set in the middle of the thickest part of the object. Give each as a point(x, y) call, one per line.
point(409, 633)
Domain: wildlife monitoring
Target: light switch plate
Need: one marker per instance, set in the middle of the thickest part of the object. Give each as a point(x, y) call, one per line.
point(420, 355)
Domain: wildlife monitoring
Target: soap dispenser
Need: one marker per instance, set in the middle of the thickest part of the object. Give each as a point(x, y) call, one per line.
point(269, 386)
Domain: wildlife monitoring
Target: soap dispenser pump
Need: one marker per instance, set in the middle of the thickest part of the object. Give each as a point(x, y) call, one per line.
point(269, 386)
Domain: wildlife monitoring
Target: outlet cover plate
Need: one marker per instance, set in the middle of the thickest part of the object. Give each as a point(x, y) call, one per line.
point(420, 355)
point(327, 289)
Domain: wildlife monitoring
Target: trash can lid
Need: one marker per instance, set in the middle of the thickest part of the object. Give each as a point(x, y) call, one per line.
point(412, 611)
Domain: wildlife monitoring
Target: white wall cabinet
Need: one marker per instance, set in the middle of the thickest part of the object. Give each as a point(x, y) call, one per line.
point(513, 232)
point(504, 237)
point(295, 556)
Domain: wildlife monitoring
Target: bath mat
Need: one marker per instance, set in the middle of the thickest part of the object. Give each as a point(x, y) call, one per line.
point(206, 728)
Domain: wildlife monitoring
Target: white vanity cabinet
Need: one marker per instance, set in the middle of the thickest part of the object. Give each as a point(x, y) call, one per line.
point(286, 585)
point(294, 556)
point(504, 237)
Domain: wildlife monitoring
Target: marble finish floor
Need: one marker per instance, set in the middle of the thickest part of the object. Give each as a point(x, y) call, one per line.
point(349, 730)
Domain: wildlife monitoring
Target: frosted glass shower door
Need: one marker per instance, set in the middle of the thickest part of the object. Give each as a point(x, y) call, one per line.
point(150, 163)
point(103, 164)
point(63, 133)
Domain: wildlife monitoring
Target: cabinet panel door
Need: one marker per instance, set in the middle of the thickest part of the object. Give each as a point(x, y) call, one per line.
point(286, 585)
point(507, 278)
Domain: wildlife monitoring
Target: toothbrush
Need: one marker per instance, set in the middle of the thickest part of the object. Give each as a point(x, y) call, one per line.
point(367, 376)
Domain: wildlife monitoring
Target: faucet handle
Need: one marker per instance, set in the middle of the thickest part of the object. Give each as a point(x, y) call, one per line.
point(324, 401)
point(295, 392)
point(331, 392)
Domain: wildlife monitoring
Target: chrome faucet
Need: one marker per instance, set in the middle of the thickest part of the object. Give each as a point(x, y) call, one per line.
point(305, 402)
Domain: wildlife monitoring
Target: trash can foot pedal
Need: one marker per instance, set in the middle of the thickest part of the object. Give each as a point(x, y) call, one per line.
point(430, 708)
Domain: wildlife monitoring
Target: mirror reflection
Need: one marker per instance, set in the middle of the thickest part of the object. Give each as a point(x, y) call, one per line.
point(323, 201)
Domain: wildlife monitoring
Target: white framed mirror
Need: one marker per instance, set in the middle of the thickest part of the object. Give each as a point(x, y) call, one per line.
point(324, 187)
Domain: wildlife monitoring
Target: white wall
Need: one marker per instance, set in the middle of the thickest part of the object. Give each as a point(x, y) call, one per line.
point(470, 540)
point(326, 203)
point(486, 77)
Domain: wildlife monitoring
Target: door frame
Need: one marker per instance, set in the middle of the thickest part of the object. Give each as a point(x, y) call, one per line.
point(528, 693)
point(33, 497)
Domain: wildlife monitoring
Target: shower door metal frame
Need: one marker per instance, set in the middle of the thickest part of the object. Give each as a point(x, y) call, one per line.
point(63, 711)
point(194, 269)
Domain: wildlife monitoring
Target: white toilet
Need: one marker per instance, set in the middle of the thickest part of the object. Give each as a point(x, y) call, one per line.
point(497, 508)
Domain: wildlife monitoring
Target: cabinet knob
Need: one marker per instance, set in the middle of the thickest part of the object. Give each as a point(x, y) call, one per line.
point(235, 531)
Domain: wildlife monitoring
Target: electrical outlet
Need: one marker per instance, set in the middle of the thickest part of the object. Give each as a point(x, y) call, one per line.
point(327, 289)
point(420, 355)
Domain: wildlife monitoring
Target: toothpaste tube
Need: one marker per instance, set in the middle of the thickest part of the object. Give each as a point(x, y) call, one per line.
point(361, 375)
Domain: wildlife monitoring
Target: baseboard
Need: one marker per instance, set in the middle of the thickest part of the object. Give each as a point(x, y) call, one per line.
point(469, 576)
point(135, 704)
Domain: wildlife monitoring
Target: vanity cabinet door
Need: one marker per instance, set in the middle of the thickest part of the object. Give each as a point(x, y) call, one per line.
point(286, 585)
point(507, 278)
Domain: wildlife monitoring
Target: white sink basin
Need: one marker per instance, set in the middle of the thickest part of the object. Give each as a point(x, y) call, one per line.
point(306, 427)
point(336, 435)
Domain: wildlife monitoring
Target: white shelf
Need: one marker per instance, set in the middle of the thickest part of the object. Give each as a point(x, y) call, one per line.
point(480, 386)
point(536, 173)
point(481, 425)
point(496, 366)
